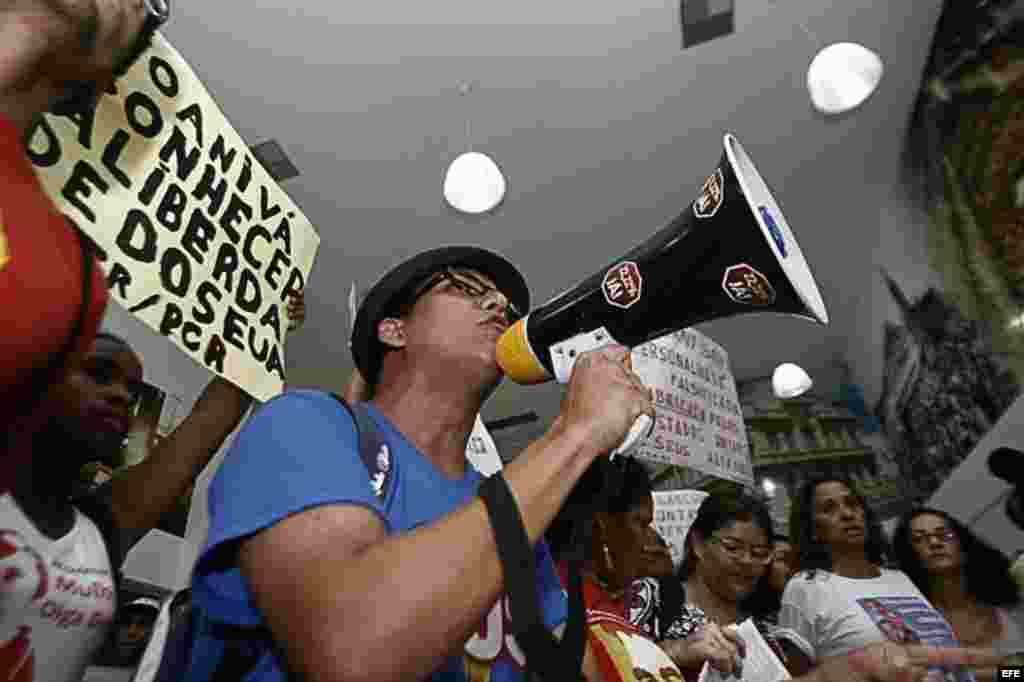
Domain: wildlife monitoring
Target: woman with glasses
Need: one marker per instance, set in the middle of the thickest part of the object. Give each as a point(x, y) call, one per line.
point(967, 579)
point(843, 598)
point(60, 554)
point(723, 581)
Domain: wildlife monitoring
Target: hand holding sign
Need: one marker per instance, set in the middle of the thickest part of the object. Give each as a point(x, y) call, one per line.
point(75, 42)
point(605, 397)
point(296, 310)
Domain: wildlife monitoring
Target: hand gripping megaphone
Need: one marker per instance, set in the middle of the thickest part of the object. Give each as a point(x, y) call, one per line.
point(730, 252)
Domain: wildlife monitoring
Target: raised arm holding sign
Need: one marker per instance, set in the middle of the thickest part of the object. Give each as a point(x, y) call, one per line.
point(144, 493)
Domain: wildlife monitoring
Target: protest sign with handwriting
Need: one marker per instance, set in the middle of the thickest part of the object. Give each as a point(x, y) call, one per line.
point(197, 239)
point(674, 512)
point(699, 421)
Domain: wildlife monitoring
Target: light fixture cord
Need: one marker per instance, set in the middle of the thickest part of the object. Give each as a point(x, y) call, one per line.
point(464, 89)
point(803, 26)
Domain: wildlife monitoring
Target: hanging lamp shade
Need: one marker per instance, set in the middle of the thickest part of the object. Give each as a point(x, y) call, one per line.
point(790, 381)
point(474, 183)
point(842, 76)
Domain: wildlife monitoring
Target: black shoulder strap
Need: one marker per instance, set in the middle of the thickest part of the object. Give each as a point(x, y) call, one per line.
point(373, 446)
point(545, 657)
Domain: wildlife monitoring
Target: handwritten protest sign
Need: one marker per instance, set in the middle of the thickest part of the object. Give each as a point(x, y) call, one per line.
point(699, 421)
point(674, 512)
point(198, 240)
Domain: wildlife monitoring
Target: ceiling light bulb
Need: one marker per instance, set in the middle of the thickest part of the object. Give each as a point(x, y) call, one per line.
point(769, 487)
point(842, 76)
point(790, 381)
point(474, 183)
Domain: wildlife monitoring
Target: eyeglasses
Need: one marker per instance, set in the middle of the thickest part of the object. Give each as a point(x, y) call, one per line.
point(467, 285)
point(946, 536)
point(737, 550)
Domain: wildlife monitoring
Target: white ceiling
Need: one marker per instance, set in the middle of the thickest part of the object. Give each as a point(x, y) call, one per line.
point(604, 126)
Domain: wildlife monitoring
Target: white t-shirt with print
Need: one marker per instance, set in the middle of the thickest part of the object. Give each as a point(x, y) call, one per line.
point(57, 598)
point(837, 615)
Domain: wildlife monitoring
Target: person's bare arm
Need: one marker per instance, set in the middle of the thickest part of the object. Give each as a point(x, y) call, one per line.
point(349, 602)
point(141, 495)
point(44, 43)
point(890, 662)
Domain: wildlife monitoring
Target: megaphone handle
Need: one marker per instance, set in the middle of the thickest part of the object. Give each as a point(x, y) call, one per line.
point(563, 359)
point(640, 429)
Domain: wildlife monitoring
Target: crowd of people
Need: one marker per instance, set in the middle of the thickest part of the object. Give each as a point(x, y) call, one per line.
point(352, 540)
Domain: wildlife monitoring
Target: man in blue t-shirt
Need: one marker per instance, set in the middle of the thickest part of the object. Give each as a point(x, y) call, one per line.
point(396, 575)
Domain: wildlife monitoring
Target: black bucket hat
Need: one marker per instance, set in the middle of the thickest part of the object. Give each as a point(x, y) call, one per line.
point(396, 286)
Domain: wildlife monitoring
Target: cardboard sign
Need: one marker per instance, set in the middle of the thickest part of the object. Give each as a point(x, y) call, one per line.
point(674, 512)
point(699, 421)
point(198, 240)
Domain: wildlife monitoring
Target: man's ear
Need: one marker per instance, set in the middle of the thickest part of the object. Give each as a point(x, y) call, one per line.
point(391, 332)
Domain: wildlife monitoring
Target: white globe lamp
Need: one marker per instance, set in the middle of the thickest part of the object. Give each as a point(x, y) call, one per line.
point(474, 183)
point(790, 381)
point(842, 76)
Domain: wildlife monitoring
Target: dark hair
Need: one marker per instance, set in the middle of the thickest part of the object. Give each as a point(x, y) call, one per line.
point(114, 338)
point(779, 537)
point(987, 569)
point(717, 511)
point(814, 555)
point(611, 486)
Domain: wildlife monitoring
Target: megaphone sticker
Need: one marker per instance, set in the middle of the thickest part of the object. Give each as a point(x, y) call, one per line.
point(745, 285)
point(711, 196)
point(623, 285)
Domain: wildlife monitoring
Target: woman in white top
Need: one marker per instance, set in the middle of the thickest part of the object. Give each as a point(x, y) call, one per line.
point(60, 555)
point(843, 599)
point(967, 579)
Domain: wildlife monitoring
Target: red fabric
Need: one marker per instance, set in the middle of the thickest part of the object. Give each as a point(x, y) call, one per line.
point(607, 623)
point(40, 281)
point(596, 600)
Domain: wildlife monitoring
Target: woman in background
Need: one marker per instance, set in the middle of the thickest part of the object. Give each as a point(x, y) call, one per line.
point(723, 581)
point(60, 557)
point(966, 579)
point(843, 599)
point(781, 569)
point(622, 547)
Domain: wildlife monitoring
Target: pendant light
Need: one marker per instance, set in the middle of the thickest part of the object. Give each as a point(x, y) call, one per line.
point(473, 183)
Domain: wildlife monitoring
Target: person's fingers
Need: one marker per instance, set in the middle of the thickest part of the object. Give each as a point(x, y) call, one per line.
point(735, 640)
point(617, 354)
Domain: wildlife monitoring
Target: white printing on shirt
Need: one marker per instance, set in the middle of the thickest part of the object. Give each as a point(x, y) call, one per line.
point(57, 598)
point(837, 615)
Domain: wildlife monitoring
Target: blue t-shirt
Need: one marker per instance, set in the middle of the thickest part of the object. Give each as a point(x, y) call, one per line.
point(301, 450)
